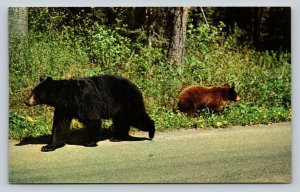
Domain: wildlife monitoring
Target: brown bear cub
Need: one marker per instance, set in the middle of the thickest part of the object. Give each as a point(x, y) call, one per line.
point(197, 97)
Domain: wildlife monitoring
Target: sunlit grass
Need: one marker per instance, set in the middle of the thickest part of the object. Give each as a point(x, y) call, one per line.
point(262, 79)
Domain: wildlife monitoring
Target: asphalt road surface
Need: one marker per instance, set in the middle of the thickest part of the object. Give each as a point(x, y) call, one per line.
point(251, 154)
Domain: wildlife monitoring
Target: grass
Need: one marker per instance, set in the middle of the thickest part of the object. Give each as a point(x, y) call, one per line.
point(262, 79)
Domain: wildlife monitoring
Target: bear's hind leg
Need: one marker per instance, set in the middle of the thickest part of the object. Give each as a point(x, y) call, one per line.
point(151, 129)
point(121, 129)
point(144, 123)
point(187, 107)
point(93, 127)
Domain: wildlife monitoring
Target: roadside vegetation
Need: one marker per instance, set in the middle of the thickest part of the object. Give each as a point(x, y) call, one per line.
point(213, 57)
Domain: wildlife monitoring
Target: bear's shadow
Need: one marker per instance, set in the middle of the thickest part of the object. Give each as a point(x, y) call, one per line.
point(76, 137)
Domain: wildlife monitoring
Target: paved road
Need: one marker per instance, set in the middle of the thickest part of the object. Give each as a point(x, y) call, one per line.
point(235, 155)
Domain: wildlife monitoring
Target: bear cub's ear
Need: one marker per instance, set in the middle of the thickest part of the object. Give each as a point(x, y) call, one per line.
point(43, 78)
point(233, 85)
point(226, 85)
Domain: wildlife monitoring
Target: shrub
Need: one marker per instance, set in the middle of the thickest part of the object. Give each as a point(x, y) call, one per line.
point(107, 48)
point(262, 79)
point(21, 126)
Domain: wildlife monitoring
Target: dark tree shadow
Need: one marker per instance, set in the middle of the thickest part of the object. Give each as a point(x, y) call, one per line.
point(76, 137)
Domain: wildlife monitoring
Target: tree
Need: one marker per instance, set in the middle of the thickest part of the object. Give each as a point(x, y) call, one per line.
point(18, 30)
point(263, 28)
point(177, 40)
point(18, 22)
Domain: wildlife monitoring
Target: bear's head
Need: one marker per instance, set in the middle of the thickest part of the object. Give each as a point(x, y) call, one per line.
point(232, 94)
point(39, 94)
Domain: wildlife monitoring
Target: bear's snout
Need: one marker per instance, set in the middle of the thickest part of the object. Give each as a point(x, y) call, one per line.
point(238, 98)
point(30, 101)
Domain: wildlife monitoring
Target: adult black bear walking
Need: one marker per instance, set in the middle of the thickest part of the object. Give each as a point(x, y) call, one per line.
point(89, 100)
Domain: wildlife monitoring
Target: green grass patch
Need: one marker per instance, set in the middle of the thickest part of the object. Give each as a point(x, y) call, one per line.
point(262, 79)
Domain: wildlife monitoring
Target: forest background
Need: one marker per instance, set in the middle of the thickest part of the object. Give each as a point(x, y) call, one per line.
point(247, 46)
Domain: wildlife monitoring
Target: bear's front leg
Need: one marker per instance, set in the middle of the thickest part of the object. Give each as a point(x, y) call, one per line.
point(49, 147)
point(216, 108)
point(56, 141)
point(60, 130)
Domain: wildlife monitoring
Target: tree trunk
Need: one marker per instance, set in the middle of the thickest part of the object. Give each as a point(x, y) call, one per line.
point(18, 22)
point(176, 47)
point(150, 22)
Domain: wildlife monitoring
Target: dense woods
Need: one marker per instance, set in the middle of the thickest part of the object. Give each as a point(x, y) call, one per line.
point(260, 27)
point(162, 50)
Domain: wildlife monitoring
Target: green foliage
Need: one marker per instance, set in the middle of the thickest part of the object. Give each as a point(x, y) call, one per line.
point(34, 56)
point(107, 48)
point(21, 126)
point(239, 114)
point(263, 79)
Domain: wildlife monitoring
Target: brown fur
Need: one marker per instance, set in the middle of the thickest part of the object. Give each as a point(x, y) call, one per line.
point(196, 97)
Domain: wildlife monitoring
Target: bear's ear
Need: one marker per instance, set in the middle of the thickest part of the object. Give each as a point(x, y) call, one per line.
point(49, 79)
point(43, 78)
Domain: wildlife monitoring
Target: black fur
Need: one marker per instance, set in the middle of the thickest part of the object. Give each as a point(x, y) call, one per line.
point(89, 100)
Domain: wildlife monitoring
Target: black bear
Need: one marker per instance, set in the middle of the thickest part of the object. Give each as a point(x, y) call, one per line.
point(89, 100)
point(196, 97)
